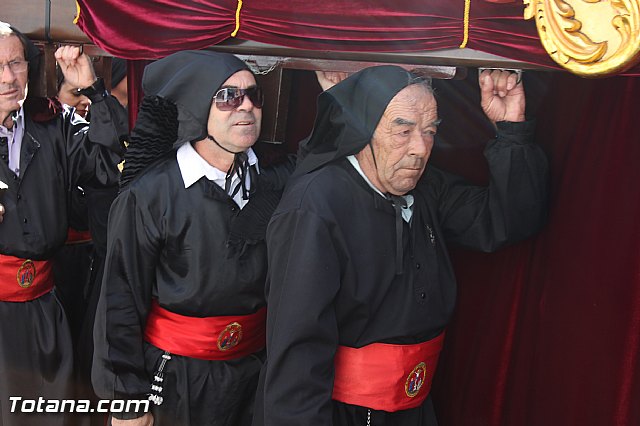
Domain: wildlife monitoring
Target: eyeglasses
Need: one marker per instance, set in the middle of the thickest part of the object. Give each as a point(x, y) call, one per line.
point(230, 98)
point(15, 66)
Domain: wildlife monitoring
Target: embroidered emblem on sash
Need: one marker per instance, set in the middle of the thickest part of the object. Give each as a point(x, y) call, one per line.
point(26, 273)
point(415, 380)
point(230, 337)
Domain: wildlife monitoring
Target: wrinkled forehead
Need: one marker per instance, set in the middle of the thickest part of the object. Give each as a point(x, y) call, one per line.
point(10, 44)
point(414, 94)
point(412, 101)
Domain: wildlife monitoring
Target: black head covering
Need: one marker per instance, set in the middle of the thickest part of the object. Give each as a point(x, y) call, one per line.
point(348, 114)
point(118, 70)
point(31, 53)
point(190, 79)
point(347, 117)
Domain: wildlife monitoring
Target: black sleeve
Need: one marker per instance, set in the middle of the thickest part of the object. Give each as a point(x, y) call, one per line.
point(98, 203)
point(302, 332)
point(514, 205)
point(95, 149)
point(134, 241)
point(278, 174)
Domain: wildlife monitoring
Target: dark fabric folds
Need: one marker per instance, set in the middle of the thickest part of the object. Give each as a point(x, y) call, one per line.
point(156, 250)
point(36, 359)
point(531, 319)
point(332, 277)
point(151, 138)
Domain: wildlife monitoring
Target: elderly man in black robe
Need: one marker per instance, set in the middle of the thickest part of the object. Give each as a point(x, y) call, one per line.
point(360, 286)
point(182, 310)
point(45, 150)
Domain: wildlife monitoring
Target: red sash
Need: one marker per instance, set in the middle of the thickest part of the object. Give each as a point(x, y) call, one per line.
point(210, 338)
point(386, 377)
point(22, 280)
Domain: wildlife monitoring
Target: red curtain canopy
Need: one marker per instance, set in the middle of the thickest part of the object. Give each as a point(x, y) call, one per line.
point(150, 30)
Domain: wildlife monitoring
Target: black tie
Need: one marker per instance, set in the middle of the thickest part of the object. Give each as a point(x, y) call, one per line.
point(398, 203)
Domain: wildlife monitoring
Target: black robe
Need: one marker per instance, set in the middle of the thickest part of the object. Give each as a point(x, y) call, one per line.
point(196, 253)
point(58, 153)
point(333, 281)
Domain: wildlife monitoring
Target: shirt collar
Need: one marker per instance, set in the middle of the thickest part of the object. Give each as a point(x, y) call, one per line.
point(193, 166)
point(356, 165)
point(406, 211)
point(18, 118)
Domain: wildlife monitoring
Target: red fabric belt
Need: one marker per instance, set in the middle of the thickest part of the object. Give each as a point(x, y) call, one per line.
point(210, 338)
point(386, 377)
point(75, 237)
point(22, 280)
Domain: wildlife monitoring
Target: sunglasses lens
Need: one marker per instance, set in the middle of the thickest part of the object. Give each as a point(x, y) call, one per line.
point(255, 96)
point(230, 98)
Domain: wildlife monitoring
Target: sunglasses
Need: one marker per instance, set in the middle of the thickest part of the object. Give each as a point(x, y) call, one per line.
point(230, 98)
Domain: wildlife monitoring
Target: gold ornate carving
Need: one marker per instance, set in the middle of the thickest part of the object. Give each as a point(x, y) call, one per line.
point(591, 38)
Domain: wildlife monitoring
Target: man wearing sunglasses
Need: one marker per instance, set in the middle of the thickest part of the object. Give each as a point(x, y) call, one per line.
point(182, 310)
point(44, 151)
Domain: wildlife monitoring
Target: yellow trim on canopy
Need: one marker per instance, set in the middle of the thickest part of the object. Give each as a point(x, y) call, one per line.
point(467, 7)
point(235, 31)
point(75, 20)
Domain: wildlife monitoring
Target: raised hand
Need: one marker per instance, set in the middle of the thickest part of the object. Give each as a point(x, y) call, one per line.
point(76, 66)
point(328, 79)
point(502, 96)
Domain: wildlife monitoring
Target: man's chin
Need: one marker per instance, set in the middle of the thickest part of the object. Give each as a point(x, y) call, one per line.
point(246, 139)
point(404, 187)
point(242, 145)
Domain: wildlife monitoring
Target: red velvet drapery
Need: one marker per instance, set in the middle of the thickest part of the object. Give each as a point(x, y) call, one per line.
point(547, 332)
point(150, 30)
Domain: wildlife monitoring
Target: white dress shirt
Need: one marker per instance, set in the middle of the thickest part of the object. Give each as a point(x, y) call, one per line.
point(193, 167)
point(14, 140)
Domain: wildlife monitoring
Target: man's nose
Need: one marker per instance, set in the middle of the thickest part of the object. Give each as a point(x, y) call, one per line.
point(420, 144)
point(246, 104)
point(7, 76)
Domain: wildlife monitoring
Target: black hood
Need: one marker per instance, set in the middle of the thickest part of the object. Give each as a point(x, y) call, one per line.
point(190, 79)
point(348, 115)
